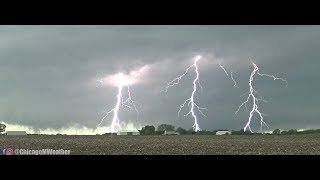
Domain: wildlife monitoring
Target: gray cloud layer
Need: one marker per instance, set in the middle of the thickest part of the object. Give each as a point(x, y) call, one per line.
point(47, 73)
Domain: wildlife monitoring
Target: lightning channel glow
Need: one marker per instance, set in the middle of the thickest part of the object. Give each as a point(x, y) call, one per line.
point(255, 99)
point(231, 75)
point(121, 81)
point(190, 101)
point(235, 83)
point(223, 68)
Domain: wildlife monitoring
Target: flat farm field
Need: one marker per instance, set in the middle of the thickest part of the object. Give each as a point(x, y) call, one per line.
point(170, 145)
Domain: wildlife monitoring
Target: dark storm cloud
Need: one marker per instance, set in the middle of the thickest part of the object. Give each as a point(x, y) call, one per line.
point(47, 73)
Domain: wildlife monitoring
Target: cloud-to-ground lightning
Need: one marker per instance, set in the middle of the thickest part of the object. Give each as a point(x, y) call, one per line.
point(127, 104)
point(190, 101)
point(231, 75)
point(122, 81)
point(256, 98)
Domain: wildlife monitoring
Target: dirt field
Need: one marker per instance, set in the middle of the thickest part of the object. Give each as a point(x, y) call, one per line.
point(170, 145)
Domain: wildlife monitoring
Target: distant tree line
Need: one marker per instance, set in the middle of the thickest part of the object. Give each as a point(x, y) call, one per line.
point(294, 131)
point(242, 132)
point(151, 130)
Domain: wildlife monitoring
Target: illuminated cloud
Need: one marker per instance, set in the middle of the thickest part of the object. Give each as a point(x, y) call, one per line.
point(121, 79)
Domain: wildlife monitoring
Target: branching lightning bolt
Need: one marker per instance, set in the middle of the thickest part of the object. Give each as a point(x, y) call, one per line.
point(256, 98)
point(190, 101)
point(231, 75)
point(127, 104)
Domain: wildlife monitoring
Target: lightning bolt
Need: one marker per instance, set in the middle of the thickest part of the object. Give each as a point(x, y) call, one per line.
point(127, 104)
point(190, 101)
point(225, 71)
point(256, 98)
point(231, 75)
point(235, 83)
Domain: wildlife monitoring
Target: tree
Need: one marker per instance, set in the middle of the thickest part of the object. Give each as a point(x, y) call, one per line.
point(109, 134)
point(276, 131)
point(165, 127)
point(293, 131)
point(310, 131)
point(2, 128)
point(191, 131)
point(147, 130)
point(141, 131)
point(150, 130)
point(181, 130)
point(241, 132)
point(204, 132)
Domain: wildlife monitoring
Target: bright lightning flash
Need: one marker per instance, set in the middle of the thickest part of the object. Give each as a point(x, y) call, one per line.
point(231, 75)
point(121, 81)
point(190, 101)
point(255, 100)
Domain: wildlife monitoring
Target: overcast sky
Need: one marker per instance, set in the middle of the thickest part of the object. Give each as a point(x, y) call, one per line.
point(48, 74)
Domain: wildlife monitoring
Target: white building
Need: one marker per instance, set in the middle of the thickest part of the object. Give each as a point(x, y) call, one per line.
point(170, 133)
point(128, 133)
point(16, 133)
point(223, 133)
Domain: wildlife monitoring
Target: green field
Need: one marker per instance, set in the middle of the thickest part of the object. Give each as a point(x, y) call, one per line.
point(170, 145)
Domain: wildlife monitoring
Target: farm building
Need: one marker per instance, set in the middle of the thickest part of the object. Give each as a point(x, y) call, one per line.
point(128, 133)
point(223, 133)
point(170, 133)
point(16, 133)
